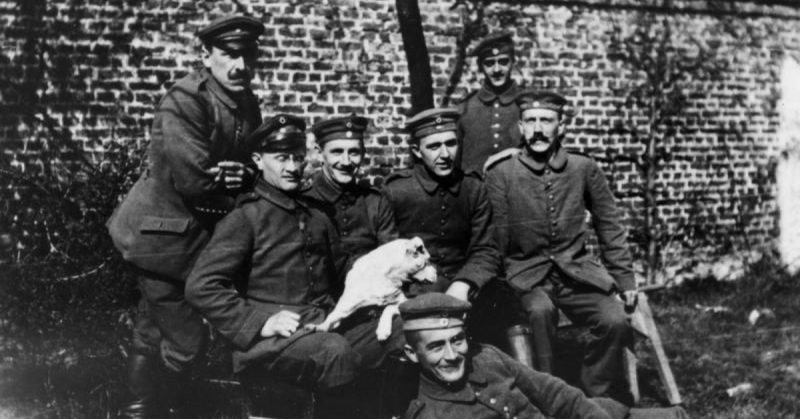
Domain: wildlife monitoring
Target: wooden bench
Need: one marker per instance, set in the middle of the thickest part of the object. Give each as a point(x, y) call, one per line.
point(644, 325)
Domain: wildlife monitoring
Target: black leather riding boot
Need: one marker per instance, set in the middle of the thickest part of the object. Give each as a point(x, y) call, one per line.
point(142, 383)
point(520, 344)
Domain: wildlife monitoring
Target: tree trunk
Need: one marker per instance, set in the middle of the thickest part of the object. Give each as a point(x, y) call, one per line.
point(419, 66)
point(650, 204)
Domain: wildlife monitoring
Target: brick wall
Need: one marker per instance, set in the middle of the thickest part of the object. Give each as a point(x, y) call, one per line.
point(98, 67)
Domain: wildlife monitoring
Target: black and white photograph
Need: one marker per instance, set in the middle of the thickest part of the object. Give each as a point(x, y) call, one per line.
point(386, 209)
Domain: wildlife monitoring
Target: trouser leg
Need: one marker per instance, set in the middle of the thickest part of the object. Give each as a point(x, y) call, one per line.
point(602, 374)
point(542, 317)
point(168, 338)
point(375, 394)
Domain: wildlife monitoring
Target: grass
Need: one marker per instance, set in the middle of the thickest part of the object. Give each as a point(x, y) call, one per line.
point(63, 346)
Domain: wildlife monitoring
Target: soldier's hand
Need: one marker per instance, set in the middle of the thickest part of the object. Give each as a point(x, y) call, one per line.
point(459, 290)
point(282, 323)
point(629, 298)
point(229, 173)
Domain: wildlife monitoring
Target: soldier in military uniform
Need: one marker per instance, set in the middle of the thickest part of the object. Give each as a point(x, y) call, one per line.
point(268, 270)
point(451, 212)
point(462, 379)
point(489, 115)
point(540, 197)
point(196, 167)
point(363, 215)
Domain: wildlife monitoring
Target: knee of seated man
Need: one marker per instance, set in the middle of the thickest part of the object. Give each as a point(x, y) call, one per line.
point(332, 347)
point(614, 321)
point(539, 307)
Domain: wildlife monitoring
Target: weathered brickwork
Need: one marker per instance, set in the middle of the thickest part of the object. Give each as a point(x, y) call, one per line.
point(98, 68)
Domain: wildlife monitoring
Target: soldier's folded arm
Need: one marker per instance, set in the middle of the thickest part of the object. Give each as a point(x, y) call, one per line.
point(611, 234)
point(187, 131)
point(211, 290)
point(483, 259)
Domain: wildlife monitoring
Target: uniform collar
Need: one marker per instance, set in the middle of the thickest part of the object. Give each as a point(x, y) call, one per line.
point(556, 162)
point(276, 196)
point(217, 90)
point(460, 393)
point(430, 185)
point(487, 95)
point(328, 190)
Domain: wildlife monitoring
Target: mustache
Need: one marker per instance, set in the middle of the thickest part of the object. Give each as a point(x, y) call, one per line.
point(538, 136)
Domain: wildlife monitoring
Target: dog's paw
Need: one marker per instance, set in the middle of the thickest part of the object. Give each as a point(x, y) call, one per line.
point(383, 333)
point(316, 327)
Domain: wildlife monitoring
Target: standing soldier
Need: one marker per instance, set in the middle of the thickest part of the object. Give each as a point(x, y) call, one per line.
point(196, 166)
point(363, 215)
point(540, 197)
point(489, 115)
point(268, 270)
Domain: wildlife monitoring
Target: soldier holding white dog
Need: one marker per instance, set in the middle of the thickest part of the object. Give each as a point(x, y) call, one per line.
point(268, 270)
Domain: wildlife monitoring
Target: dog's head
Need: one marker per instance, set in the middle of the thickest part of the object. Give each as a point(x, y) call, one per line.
point(417, 259)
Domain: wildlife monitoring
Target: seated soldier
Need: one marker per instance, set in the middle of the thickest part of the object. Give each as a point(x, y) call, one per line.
point(451, 212)
point(267, 270)
point(362, 214)
point(542, 235)
point(461, 379)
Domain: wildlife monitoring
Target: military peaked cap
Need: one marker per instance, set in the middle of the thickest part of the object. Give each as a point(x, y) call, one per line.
point(350, 127)
point(433, 310)
point(282, 132)
point(232, 32)
point(532, 99)
point(432, 121)
point(494, 44)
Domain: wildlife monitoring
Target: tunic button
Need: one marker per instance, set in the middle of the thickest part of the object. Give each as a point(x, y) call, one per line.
point(496, 145)
point(444, 207)
point(310, 268)
point(477, 393)
point(497, 115)
point(552, 196)
point(496, 104)
point(492, 400)
point(554, 222)
point(551, 257)
point(496, 135)
point(552, 209)
point(442, 234)
point(553, 233)
point(442, 220)
point(344, 233)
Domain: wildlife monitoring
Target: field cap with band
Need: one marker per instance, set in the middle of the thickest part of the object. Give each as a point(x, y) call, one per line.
point(533, 99)
point(494, 44)
point(350, 127)
point(280, 133)
point(431, 121)
point(232, 33)
point(433, 310)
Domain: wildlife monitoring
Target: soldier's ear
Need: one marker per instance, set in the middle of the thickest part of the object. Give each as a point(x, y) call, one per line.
point(410, 354)
point(415, 151)
point(256, 157)
point(205, 54)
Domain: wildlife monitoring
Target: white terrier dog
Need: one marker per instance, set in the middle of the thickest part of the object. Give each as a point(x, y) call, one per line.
point(376, 279)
